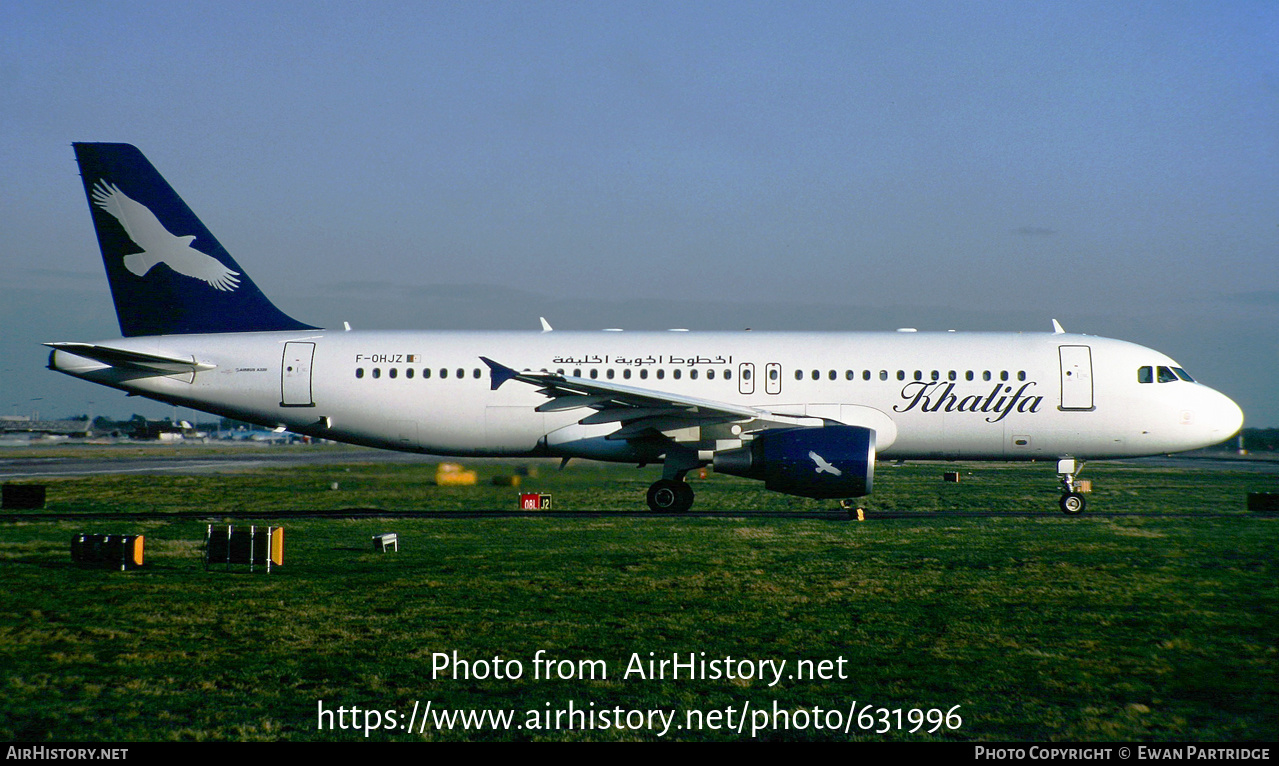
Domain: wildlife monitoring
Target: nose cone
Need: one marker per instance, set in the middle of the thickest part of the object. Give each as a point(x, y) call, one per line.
point(1220, 417)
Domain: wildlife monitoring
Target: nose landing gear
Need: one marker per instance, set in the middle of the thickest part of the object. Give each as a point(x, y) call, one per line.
point(1072, 502)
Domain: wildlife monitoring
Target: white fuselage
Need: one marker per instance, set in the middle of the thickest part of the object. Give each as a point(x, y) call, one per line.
point(1002, 396)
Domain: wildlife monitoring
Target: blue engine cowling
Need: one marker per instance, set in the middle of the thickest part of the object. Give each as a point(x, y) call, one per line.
point(826, 462)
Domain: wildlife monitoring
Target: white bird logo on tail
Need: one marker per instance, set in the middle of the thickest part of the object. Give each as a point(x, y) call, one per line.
point(823, 466)
point(158, 245)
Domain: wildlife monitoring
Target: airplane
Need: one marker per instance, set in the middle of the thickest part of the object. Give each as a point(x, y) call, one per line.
point(807, 413)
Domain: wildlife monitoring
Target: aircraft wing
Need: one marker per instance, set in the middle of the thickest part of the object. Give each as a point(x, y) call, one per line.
point(118, 357)
point(640, 411)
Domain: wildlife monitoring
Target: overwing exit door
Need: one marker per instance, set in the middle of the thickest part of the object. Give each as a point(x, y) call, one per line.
point(773, 378)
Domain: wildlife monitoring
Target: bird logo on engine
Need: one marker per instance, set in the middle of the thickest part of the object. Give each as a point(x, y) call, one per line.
point(823, 466)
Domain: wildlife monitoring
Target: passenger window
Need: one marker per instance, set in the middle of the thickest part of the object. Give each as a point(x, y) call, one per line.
point(444, 373)
point(426, 372)
point(746, 374)
point(883, 374)
point(850, 375)
point(816, 375)
point(985, 375)
point(408, 373)
point(692, 374)
point(476, 373)
point(594, 373)
point(728, 374)
point(710, 374)
point(609, 373)
point(799, 374)
point(393, 373)
point(1021, 375)
point(643, 374)
point(1003, 375)
point(377, 372)
point(919, 375)
point(461, 373)
point(1166, 375)
point(901, 374)
point(774, 373)
point(676, 373)
point(952, 375)
point(359, 372)
point(969, 375)
point(936, 375)
point(661, 374)
point(626, 373)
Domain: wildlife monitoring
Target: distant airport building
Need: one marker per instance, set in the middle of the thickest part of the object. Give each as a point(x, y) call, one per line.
point(23, 424)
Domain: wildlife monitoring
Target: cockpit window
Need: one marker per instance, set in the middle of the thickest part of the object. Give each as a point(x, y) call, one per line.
point(1166, 375)
point(1145, 374)
point(1183, 374)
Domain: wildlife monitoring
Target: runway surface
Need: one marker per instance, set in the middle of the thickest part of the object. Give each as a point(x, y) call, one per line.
point(196, 460)
point(191, 461)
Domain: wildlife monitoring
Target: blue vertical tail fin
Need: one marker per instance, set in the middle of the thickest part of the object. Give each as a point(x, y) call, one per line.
point(168, 274)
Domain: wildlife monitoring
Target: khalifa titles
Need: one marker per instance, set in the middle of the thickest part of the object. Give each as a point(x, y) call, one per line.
point(940, 396)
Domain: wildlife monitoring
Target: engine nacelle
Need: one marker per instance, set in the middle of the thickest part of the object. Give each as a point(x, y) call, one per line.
point(827, 462)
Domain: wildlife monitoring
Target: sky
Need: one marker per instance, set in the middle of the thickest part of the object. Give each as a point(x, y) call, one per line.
point(710, 165)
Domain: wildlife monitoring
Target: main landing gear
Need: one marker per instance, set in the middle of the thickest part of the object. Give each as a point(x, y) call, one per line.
point(671, 494)
point(1072, 502)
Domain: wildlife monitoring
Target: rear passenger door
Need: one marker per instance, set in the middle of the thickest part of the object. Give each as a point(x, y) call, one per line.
point(295, 375)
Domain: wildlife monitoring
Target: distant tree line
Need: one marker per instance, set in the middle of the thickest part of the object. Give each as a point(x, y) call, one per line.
point(1258, 440)
point(1254, 440)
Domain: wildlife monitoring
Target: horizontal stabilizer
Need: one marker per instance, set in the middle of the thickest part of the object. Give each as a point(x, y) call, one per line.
point(118, 357)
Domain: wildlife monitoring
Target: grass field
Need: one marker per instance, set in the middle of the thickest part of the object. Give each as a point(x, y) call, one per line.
point(1160, 625)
